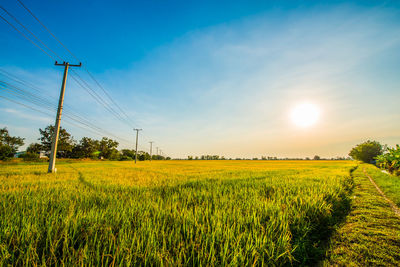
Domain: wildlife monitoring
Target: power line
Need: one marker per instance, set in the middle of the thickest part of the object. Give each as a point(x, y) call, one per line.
point(34, 99)
point(82, 83)
point(21, 33)
point(40, 111)
point(72, 54)
point(14, 18)
point(125, 118)
point(37, 19)
point(97, 97)
point(26, 37)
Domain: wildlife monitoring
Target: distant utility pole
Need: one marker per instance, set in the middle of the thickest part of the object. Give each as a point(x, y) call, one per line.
point(56, 133)
point(137, 133)
point(157, 151)
point(151, 148)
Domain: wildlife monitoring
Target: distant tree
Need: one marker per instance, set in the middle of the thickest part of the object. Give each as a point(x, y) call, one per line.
point(316, 157)
point(142, 156)
point(367, 151)
point(9, 144)
point(86, 148)
point(29, 156)
point(34, 148)
point(65, 141)
point(190, 157)
point(127, 154)
point(108, 148)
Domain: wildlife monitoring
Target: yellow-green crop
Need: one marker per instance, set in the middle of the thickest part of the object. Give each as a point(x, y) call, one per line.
point(170, 212)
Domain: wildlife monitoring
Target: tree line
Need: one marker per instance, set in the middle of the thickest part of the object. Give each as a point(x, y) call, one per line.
point(381, 155)
point(217, 157)
point(67, 147)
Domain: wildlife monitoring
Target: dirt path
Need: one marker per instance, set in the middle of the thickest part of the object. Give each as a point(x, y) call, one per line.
point(391, 203)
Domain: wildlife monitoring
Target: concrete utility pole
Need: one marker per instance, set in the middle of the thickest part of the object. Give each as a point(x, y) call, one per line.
point(157, 151)
point(56, 133)
point(151, 148)
point(137, 133)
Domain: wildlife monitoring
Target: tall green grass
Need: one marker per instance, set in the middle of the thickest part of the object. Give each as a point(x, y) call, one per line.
point(174, 213)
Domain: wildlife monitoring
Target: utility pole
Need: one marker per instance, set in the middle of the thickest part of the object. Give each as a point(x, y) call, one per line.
point(56, 133)
point(157, 151)
point(137, 133)
point(151, 148)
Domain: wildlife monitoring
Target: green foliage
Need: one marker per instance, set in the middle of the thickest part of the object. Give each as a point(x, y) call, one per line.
point(124, 158)
point(30, 156)
point(108, 148)
point(65, 142)
point(367, 151)
point(34, 148)
point(86, 148)
point(9, 144)
point(142, 156)
point(390, 160)
point(6, 152)
point(128, 153)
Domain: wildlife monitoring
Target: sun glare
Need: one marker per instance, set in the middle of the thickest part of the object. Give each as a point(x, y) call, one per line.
point(305, 114)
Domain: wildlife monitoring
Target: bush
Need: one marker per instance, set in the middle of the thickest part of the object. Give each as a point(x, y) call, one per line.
point(390, 160)
point(367, 151)
point(123, 158)
point(29, 156)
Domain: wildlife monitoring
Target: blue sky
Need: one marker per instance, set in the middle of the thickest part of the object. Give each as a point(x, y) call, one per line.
point(218, 78)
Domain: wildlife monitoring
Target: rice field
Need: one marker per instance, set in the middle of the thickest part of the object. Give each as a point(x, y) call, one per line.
point(171, 212)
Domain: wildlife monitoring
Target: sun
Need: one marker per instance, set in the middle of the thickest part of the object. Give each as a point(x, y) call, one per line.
point(305, 114)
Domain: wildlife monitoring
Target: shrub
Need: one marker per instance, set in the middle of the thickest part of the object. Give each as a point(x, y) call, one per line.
point(124, 157)
point(29, 156)
point(390, 160)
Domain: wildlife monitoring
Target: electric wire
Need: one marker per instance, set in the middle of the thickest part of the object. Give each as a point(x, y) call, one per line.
point(42, 112)
point(76, 58)
point(44, 103)
point(9, 23)
point(22, 25)
point(97, 97)
point(66, 110)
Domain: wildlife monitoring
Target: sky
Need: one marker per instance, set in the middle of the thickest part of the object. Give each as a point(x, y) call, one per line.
point(212, 77)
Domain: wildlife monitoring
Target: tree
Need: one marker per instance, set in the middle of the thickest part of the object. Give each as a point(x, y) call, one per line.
point(366, 151)
point(316, 157)
point(127, 154)
point(108, 148)
point(65, 142)
point(86, 148)
point(9, 144)
point(34, 148)
point(143, 156)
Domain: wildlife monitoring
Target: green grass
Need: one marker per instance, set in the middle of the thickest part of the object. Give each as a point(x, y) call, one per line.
point(176, 212)
point(370, 235)
point(388, 183)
